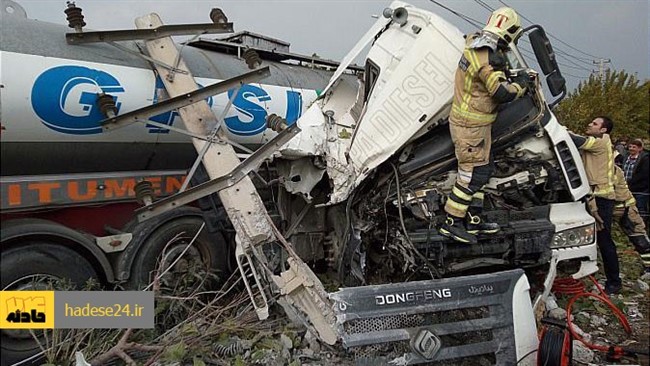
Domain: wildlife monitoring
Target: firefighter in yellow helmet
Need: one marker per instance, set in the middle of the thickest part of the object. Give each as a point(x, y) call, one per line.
point(480, 86)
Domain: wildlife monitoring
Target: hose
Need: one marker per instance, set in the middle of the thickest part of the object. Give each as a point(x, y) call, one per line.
point(555, 347)
point(570, 286)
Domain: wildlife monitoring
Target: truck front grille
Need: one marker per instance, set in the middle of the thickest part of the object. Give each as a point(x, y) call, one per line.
point(456, 321)
point(569, 164)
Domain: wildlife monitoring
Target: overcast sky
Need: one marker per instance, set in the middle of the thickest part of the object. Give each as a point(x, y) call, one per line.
point(615, 30)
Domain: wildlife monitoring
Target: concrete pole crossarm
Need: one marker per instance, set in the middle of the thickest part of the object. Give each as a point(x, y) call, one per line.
point(243, 205)
point(300, 288)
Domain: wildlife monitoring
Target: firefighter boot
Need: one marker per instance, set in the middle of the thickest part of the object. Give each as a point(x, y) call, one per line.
point(454, 228)
point(476, 225)
point(640, 243)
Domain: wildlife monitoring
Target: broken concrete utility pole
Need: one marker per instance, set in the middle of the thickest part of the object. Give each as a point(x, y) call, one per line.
point(302, 294)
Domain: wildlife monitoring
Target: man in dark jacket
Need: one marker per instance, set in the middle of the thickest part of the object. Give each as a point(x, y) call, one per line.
point(637, 171)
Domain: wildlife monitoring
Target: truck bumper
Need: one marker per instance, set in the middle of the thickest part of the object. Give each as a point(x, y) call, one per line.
point(434, 321)
point(587, 254)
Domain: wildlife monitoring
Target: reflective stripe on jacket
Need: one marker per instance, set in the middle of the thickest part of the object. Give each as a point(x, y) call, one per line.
point(598, 160)
point(622, 192)
point(476, 82)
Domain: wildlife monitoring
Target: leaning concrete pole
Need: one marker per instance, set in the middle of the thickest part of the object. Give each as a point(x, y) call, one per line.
point(301, 292)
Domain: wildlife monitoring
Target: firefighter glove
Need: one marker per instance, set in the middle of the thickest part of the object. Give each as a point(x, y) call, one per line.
point(520, 90)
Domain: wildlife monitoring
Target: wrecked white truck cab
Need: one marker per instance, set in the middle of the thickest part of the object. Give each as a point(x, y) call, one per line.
point(365, 183)
point(354, 192)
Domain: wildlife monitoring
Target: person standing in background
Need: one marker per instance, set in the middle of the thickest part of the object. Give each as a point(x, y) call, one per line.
point(621, 148)
point(637, 175)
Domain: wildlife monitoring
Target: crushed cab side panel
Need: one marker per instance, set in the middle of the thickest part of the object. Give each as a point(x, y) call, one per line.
point(414, 65)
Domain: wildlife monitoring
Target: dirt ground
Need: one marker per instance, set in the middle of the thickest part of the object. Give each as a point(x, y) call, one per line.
point(204, 332)
point(634, 299)
point(592, 317)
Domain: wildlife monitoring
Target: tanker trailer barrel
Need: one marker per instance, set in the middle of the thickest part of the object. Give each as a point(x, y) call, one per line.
point(51, 118)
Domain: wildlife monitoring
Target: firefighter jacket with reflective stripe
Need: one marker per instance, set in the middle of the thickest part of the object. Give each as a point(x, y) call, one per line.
point(621, 190)
point(598, 159)
point(476, 83)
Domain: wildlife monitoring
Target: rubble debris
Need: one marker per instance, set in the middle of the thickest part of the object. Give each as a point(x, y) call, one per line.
point(557, 313)
point(80, 360)
point(633, 311)
point(287, 343)
point(581, 353)
point(598, 321)
point(645, 277)
point(641, 286)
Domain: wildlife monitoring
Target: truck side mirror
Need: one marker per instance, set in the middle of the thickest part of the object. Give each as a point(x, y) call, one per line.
point(547, 61)
point(543, 50)
point(556, 83)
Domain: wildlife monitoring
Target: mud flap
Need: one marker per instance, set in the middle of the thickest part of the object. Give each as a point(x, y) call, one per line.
point(465, 318)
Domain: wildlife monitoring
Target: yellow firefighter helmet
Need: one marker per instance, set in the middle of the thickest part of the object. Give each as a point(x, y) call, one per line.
point(505, 23)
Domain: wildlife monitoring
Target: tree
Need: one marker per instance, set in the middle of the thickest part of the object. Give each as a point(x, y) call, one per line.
point(618, 95)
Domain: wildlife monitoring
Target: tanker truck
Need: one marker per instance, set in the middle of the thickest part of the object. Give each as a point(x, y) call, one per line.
point(355, 194)
point(68, 187)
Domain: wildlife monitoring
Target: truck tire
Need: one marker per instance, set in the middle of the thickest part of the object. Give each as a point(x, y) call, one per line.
point(21, 267)
point(210, 248)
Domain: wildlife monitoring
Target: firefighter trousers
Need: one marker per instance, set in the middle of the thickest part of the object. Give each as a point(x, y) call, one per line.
point(630, 219)
point(473, 151)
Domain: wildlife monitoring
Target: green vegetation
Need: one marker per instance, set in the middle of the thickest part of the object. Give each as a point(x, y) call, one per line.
point(619, 95)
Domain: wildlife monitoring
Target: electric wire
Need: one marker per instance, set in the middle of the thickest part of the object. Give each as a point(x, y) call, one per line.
point(466, 18)
point(558, 51)
point(553, 347)
point(576, 76)
point(530, 53)
point(567, 55)
point(478, 25)
point(424, 259)
point(526, 355)
point(554, 37)
point(576, 66)
point(484, 5)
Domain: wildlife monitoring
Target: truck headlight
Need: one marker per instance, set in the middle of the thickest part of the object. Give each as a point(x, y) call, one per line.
point(578, 236)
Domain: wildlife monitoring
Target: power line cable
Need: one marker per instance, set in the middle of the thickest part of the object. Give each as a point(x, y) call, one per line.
point(466, 18)
point(558, 50)
point(532, 54)
point(563, 54)
point(553, 36)
point(475, 23)
point(575, 65)
point(581, 59)
point(484, 5)
point(478, 25)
